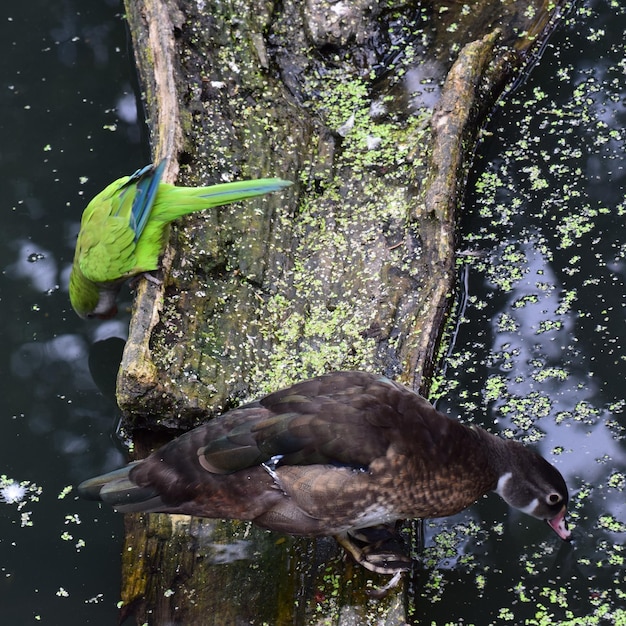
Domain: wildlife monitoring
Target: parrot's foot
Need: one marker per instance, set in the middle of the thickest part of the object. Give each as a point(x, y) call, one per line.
point(152, 279)
point(149, 277)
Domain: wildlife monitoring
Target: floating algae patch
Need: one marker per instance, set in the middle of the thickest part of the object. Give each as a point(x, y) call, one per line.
point(20, 494)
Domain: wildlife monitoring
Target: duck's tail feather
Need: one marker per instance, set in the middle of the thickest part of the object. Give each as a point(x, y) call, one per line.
point(117, 489)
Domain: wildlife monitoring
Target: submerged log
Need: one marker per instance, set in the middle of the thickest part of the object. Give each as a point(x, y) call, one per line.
point(373, 110)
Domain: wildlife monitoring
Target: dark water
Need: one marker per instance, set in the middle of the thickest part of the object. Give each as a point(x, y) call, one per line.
point(68, 126)
point(539, 355)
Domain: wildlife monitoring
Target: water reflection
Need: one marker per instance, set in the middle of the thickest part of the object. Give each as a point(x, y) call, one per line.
point(68, 127)
point(127, 107)
point(35, 264)
point(105, 355)
point(44, 359)
point(73, 31)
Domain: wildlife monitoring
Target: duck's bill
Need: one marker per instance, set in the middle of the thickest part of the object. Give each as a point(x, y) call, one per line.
point(559, 525)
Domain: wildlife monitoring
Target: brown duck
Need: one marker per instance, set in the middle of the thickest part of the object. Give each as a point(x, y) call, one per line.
point(345, 454)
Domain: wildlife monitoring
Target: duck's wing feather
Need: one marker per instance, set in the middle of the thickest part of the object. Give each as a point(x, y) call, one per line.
point(345, 419)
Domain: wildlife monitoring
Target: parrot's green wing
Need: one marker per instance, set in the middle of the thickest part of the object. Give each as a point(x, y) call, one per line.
point(113, 222)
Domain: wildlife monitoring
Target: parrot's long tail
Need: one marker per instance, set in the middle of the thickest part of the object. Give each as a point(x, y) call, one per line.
point(116, 489)
point(174, 202)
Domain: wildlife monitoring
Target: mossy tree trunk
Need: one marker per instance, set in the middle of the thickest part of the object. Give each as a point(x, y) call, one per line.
point(373, 110)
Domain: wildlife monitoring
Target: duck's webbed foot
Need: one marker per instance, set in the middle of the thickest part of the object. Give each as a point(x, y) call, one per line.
point(377, 548)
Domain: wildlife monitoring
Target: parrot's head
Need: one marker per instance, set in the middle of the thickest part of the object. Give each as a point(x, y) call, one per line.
point(89, 300)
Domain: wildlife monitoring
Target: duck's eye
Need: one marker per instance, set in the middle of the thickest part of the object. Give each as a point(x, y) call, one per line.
point(554, 498)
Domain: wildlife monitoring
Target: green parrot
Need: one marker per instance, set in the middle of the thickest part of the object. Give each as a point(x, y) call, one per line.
point(123, 231)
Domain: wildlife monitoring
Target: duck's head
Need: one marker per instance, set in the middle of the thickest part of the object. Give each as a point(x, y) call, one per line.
point(535, 487)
